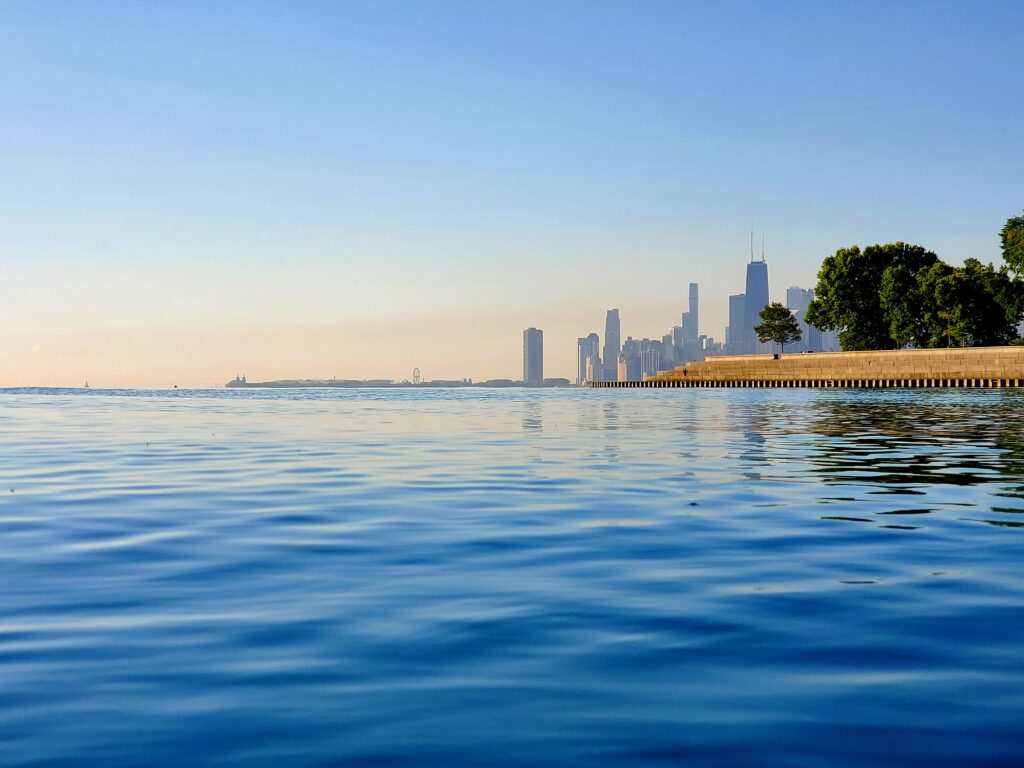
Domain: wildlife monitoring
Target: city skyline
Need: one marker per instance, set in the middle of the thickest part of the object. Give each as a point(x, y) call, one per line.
point(359, 189)
point(640, 357)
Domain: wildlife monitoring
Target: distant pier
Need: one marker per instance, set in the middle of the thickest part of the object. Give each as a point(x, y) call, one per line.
point(969, 367)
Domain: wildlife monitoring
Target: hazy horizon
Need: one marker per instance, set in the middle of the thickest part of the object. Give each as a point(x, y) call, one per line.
point(307, 190)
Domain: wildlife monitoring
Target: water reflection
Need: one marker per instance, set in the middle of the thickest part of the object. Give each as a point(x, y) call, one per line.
point(900, 443)
point(754, 454)
point(533, 417)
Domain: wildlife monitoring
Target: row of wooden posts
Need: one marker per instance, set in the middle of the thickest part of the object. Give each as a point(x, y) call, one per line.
point(912, 383)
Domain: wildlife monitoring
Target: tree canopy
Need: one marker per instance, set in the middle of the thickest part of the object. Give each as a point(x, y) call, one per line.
point(778, 325)
point(848, 297)
point(1012, 237)
point(899, 295)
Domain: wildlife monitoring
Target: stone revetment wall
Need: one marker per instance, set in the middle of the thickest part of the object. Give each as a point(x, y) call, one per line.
point(958, 367)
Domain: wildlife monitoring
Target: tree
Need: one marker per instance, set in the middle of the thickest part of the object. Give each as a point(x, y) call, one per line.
point(898, 295)
point(905, 304)
point(938, 317)
point(1012, 237)
point(777, 325)
point(861, 294)
point(972, 304)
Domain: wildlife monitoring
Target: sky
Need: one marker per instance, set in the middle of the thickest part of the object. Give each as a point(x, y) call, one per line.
point(190, 190)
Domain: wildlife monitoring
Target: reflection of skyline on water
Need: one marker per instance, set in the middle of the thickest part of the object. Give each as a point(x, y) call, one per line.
point(533, 416)
point(877, 445)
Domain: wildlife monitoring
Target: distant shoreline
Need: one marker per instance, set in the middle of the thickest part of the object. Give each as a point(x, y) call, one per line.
point(387, 384)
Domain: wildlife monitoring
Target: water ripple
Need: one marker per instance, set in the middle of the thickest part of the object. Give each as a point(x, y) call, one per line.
point(483, 577)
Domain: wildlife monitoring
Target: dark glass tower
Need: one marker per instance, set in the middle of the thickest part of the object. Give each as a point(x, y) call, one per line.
point(533, 356)
point(756, 299)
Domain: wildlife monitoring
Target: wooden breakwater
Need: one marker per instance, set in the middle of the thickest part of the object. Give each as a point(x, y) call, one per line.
point(918, 368)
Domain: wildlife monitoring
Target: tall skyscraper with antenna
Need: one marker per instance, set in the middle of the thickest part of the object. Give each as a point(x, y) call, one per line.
point(756, 297)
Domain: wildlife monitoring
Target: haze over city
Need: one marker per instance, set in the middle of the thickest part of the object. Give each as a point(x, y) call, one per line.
point(192, 190)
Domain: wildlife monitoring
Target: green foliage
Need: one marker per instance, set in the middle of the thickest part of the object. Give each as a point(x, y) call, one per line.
point(854, 293)
point(937, 317)
point(899, 295)
point(904, 302)
point(971, 302)
point(1012, 237)
point(778, 325)
point(945, 306)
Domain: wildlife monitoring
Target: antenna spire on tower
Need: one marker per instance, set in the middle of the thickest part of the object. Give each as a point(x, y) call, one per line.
point(751, 245)
point(762, 246)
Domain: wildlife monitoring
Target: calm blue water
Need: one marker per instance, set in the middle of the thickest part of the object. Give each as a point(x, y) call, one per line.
point(487, 578)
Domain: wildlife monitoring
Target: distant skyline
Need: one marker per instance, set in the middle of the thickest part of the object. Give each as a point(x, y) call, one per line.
point(316, 189)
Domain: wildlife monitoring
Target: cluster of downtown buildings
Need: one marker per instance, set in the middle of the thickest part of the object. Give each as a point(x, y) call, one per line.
point(632, 359)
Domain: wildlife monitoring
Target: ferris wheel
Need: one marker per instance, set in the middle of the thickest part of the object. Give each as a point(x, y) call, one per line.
point(416, 378)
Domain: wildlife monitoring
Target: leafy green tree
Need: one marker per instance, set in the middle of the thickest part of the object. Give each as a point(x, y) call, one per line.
point(905, 303)
point(778, 325)
point(1012, 237)
point(996, 303)
point(857, 297)
point(970, 303)
point(937, 316)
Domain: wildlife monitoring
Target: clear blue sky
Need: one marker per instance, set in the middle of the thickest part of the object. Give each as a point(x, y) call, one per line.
point(354, 189)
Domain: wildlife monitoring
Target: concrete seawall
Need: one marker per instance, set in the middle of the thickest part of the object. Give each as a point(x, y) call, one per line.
point(919, 368)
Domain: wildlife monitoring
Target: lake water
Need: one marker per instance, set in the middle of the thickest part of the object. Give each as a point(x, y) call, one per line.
point(512, 577)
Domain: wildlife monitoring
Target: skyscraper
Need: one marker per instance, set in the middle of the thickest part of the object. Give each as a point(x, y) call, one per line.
point(798, 299)
point(737, 316)
point(533, 357)
point(587, 349)
point(650, 358)
point(690, 348)
point(756, 299)
point(668, 353)
point(690, 320)
point(830, 341)
point(612, 345)
point(629, 360)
